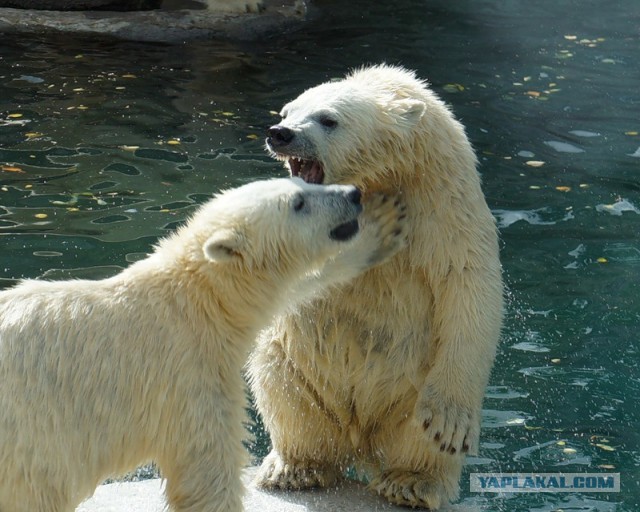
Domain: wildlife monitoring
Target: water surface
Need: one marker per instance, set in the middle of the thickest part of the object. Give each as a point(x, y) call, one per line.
point(106, 146)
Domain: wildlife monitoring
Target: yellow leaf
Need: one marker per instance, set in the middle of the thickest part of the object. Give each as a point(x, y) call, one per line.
point(570, 451)
point(129, 75)
point(228, 114)
point(534, 163)
point(555, 361)
point(631, 133)
point(40, 215)
point(252, 136)
point(453, 87)
point(14, 116)
point(605, 447)
point(32, 135)
point(561, 443)
point(569, 37)
point(9, 168)
point(173, 142)
point(602, 260)
point(563, 189)
point(533, 94)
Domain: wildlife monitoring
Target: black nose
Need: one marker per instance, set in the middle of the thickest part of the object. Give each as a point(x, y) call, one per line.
point(355, 195)
point(279, 135)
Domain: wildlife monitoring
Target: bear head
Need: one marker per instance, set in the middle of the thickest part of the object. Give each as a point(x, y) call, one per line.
point(353, 130)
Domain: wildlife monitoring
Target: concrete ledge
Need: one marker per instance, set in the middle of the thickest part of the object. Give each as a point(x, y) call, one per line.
point(160, 25)
point(146, 496)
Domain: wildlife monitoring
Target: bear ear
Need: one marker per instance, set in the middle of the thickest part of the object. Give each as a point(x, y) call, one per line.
point(410, 110)
point(224, 246)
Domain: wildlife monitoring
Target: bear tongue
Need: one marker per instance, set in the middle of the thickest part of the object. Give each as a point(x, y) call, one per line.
point(312, 171)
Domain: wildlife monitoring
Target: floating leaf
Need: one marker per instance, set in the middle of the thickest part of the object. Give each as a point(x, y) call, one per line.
point(10, 168)
point(561, 443)
point(602, 260)
point(129, 75)
point(274, 113)
point(78, 89)
point(228, 114)
point(634, 133)
point(570, 37)
point(40, 215)
point(605, 447)
point(252, 136)
point(173, 142)
point(453, 88)
point(14, 116)
point(569, 451)
point(534, 163)
point(555, 361)
point(563, 189)
point(33, 135)
point(533, 94)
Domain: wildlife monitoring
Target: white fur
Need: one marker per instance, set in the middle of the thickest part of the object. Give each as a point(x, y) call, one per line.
point(97, 377)
point(389, 371)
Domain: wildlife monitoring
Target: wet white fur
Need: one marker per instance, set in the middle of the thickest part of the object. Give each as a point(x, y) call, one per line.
point(97, 377)
point(357, 376)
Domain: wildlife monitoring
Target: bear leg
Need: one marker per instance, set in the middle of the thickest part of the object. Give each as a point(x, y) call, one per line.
point(310, 449)
point(413, 474)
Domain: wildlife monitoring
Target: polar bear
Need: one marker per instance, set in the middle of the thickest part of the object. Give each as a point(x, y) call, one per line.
point(97, 377)
point(388, 371)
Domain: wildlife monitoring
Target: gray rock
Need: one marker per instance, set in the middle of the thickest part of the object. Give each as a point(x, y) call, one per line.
point(161, 25)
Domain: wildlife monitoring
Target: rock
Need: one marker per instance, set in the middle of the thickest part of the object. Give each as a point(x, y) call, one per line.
point(146, 496)
point(172, 24)
point(82, 5)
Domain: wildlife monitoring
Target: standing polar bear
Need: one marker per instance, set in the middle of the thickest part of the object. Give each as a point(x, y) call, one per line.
point(97, 377)
point(389, 369)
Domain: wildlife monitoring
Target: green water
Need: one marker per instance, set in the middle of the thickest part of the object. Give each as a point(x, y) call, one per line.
point(108, 145)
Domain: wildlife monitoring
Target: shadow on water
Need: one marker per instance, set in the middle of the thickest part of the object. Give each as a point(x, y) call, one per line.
point(105, 146)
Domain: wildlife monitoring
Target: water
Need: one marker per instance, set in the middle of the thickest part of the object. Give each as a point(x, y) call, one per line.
point(106, 146)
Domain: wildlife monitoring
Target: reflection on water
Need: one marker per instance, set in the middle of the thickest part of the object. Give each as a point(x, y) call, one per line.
point(105, 146)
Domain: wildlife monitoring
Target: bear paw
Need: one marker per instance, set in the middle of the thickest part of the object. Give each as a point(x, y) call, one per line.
point(407, 488)
point(453, 428)
point(275, 473)
point(385, 220)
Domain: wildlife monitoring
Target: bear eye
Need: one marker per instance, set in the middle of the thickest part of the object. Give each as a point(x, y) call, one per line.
point(298, 203)
point(328, 122)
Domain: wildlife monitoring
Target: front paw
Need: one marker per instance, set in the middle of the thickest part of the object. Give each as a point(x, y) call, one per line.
point(276, 473)
point(385, 220)
point(452, 427)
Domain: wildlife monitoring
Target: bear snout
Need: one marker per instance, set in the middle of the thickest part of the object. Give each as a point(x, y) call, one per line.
point(278, 136)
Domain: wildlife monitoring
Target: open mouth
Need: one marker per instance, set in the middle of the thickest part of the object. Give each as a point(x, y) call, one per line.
point(345, 231)
point(310, 171)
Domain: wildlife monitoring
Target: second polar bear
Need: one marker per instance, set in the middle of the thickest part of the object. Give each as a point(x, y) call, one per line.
point(97, 377)
point(390, 370)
